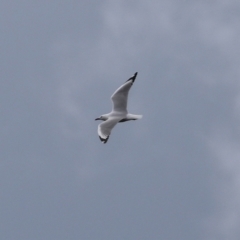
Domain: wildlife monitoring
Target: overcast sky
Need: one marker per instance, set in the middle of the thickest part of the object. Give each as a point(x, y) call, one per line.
point(175, 174)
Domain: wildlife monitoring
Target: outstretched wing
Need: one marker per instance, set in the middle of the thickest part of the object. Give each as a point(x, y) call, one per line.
point(120, 96)
point(105, 128)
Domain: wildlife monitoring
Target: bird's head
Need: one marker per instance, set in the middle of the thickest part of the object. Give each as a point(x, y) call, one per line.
point(102, 117)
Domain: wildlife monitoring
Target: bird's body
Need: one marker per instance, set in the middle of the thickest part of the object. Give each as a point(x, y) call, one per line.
point(119, 112)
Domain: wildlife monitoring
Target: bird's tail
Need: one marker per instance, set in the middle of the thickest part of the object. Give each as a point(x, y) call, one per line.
point(134, 116)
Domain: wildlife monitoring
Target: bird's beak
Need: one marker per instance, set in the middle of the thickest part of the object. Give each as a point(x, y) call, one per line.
point(97, 119)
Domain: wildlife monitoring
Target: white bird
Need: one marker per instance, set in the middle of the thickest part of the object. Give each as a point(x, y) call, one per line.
point(119, 111)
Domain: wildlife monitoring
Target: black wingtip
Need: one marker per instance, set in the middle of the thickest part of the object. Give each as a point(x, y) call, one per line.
point(104, 140)
point(133, 77)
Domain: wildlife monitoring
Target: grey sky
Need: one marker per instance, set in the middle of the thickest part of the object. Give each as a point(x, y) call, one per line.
point(173, 174)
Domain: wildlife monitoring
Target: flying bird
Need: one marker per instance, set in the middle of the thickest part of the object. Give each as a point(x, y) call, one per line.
point(119, 111)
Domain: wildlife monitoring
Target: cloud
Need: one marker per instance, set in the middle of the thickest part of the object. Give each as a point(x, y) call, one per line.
point(225, 148)
point(188, 54)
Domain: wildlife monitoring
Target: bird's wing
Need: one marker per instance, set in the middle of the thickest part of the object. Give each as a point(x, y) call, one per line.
point(120, 96)
point(105, 128)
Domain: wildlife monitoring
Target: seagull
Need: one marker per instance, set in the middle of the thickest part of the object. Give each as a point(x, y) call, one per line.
point(119, 111)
